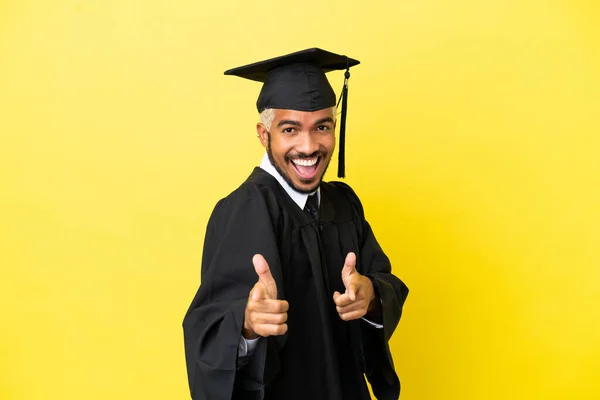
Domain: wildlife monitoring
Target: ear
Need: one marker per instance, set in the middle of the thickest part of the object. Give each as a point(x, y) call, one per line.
point(262, 134)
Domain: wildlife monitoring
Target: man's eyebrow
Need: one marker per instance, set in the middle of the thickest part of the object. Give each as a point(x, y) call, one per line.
point(323, 120)
point(288, 122)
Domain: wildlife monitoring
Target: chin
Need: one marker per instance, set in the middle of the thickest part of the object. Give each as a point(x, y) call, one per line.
point(307, 187)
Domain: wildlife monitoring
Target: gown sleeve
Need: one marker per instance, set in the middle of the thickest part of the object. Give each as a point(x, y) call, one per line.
point(392, 294)
point(374, 263)
point(240, 226)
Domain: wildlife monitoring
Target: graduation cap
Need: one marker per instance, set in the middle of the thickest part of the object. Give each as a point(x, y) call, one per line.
point(297, 81)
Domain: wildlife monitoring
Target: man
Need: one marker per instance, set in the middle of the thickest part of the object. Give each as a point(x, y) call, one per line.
point(297, 299)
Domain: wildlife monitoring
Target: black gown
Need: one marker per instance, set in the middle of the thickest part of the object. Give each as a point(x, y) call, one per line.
point(321, 356)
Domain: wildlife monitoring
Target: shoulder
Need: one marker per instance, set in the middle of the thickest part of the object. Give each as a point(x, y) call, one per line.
point(340, 186)
point(342, 194)
point(254, 195)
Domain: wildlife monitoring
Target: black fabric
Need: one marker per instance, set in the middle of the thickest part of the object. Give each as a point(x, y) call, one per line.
point(321, 357)
point(312, 206)
point(325, 60)
point(301, 87)
point(295, 81)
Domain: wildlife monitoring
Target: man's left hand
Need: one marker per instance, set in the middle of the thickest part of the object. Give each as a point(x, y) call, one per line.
point(359, 297)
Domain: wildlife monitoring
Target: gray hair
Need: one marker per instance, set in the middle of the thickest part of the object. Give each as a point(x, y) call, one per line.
point(268, 115)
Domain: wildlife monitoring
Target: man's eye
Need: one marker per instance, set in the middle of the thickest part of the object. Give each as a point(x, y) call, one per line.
point(288, 130)
point(322, 128)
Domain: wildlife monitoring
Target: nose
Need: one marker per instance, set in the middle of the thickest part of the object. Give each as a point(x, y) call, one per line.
point(306, 143)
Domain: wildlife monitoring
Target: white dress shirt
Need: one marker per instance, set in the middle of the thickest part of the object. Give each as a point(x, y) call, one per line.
point(247, 346)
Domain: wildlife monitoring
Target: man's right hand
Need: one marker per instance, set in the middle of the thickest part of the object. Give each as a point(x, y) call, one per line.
point(265, 315)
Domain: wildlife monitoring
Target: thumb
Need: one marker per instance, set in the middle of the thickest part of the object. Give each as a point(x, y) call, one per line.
point(347, 272)
point(349, 267)
point(258, 293)
point(352, 290)
point(264, 276)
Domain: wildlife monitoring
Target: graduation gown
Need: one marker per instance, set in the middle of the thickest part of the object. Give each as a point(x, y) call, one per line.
point(321, 356)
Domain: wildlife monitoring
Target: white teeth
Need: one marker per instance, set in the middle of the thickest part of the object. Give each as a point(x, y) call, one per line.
point(304, 162)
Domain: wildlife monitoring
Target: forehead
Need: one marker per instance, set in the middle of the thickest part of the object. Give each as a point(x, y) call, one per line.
point(304, 117)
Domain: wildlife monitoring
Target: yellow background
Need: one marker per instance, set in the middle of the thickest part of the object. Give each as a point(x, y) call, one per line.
point(474, 143)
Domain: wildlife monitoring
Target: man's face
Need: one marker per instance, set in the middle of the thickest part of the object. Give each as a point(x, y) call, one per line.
point(300, 145)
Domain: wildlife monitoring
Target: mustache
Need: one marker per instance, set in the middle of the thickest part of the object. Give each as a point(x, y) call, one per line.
point(318, 153)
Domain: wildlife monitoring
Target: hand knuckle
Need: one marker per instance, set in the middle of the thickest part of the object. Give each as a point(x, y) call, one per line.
point(260, 331)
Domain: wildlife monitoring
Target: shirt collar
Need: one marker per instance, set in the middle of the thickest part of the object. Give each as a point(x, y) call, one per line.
point(299, 198)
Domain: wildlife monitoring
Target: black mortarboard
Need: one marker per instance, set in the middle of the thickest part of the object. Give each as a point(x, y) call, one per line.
point(297, 81)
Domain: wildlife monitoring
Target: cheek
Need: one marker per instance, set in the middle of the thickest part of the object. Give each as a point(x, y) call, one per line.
point(329, 143)
point(279, 148)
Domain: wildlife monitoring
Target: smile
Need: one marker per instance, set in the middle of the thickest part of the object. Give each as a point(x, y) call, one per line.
point(306, 168)
point(305, 162)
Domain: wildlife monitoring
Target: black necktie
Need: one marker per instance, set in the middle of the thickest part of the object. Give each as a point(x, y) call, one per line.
point(312, 206)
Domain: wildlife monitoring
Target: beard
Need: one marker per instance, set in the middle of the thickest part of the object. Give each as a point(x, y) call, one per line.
point(286, 177)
